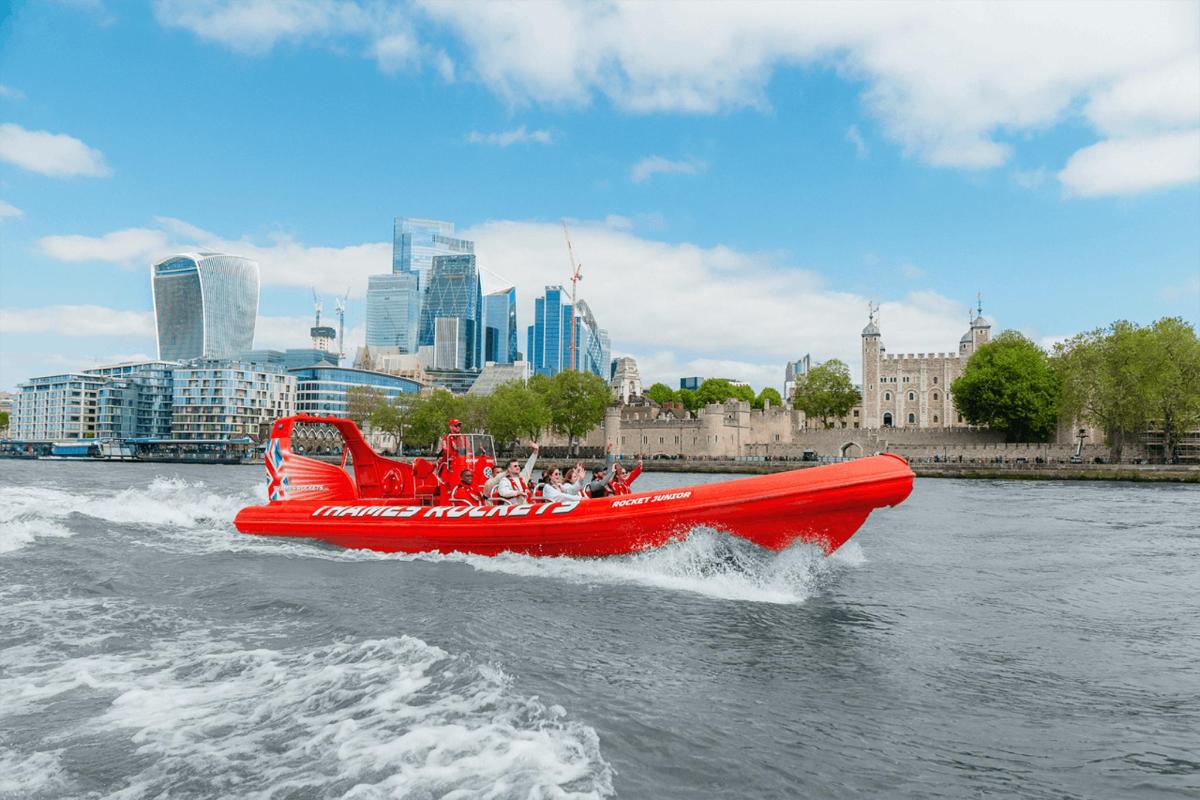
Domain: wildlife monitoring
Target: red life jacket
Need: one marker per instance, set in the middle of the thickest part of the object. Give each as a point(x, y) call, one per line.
point(519, 483)
point(619, 486)
point(462, 495)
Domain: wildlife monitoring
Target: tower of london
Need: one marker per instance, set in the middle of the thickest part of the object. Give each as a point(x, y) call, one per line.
point(913, 390)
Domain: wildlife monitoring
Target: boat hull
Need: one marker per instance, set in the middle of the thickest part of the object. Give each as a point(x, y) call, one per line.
point(819, 505)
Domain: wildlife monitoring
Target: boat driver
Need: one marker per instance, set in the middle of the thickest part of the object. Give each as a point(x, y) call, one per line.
point(451, 447)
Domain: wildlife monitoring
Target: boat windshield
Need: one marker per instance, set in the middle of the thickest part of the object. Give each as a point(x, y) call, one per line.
point(480, 445)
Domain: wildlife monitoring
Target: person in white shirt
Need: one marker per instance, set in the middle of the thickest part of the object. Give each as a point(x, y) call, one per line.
point(511, 487)
point(565, 489)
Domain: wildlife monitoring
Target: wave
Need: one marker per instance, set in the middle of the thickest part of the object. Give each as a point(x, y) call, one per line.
point(29, 512)
point(18, 532)
point(705, 563)
point(206, 712)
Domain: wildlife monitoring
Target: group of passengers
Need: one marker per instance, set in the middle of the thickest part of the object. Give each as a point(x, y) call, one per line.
point(514, 485)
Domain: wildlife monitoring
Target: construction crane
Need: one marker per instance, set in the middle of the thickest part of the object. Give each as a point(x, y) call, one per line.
point(339, 305)
point(576, 277)
point(317, 306)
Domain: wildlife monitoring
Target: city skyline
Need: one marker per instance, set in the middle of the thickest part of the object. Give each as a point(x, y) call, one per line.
point(731, 213)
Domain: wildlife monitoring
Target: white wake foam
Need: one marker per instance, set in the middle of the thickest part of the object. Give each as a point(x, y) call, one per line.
point(705, 563)
point(198, 711)
point(16, 533)
point(30, 512)
point(31, 776)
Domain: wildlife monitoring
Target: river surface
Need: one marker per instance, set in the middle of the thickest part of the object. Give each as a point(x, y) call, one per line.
point(1029, 639)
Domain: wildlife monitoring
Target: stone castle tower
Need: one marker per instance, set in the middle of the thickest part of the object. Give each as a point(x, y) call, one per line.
point(913, 390)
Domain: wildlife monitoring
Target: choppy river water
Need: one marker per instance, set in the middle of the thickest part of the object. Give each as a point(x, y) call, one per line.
point(1023, 639)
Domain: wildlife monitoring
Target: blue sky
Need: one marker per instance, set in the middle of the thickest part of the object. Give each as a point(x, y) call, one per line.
point(740, 181)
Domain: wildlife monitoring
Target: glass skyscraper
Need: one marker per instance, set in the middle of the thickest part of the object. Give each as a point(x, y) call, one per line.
point(549, 337)
point(416, 242)
point(454, 292)
point(205, 305)
point(500, 326)
point(395, 301)
point(393, 310)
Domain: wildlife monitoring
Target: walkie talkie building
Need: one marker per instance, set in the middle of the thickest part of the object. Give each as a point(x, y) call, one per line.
point(205, 305)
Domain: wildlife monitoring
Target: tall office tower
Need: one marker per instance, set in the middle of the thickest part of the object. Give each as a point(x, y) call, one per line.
point(549, 337)
point(792, 373)
point(416, 242)
point(500, 326)
point(454, 292)
point(205, 305)
point(393, 310)
point(547, 340)
point(591, 343)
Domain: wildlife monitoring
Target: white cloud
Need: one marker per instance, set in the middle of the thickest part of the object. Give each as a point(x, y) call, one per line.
point(1131, 165)
point(943, 79)
point(707, 306)
point(77, 320)
point(949, 82)
point(654, 165)
point(54, 154)
point(9, 211)
point(1030, 178)
point(282, 260)
point(911, 271)
point(127, 248)
point(515, 136)
point(11, 93)
point(1163, 96)
point(855, 138)
point(256, 26)
point(1187, 290)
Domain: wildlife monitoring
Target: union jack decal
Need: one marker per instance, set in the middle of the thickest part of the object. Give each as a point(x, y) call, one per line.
point(277, 482)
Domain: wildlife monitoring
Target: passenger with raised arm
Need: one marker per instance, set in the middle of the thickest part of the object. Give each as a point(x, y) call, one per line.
point(560, 488)
point(465, 493)
point(601, 485)
point(511, 487)
point(622, 479)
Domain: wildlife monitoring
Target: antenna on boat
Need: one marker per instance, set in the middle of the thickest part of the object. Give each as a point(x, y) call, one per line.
point(576, 277)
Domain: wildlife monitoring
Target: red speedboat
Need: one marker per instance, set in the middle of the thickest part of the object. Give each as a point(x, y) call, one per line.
point(377, 503)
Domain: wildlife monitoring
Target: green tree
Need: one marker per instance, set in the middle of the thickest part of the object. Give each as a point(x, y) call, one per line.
point(576, 402)
point(660, 393)
point(514, 410)
point(743, 392)
point(768, 394)
point(1009, 385)
point(1126, 378)
point(428, 417)
point(714, 390)
point(1173, 380)
point(3, 420)
point(362, 402)
point(826, 391)
point(1104, 380)
point(393, 417)
point(689, 400)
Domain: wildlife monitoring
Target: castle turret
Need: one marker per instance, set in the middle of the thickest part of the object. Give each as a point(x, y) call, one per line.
point(981, 329)
point(871, 347)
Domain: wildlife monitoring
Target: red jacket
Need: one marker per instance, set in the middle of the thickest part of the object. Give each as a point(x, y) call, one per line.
point(463, 495)
point(619, 486)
